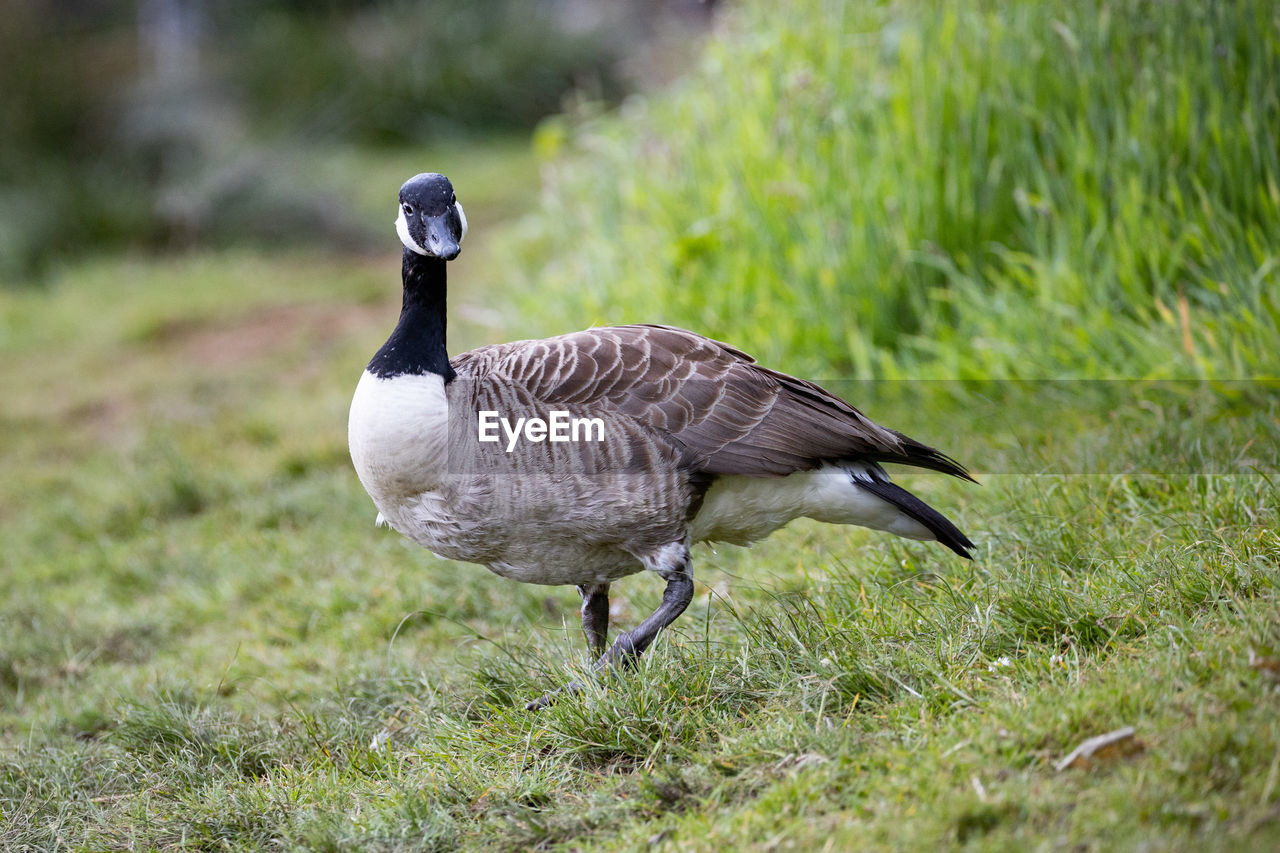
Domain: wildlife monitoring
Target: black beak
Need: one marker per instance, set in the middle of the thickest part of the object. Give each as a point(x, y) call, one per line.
point(440, 239)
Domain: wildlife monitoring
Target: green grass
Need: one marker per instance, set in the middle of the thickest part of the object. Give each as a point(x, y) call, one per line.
point(208, 645)
point(207, 638)
point(888, 189)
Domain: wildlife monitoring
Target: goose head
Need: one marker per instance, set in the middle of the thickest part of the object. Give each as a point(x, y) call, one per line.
point(431, 221)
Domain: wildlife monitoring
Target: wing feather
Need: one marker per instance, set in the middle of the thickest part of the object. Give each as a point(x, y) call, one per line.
point(721, 412)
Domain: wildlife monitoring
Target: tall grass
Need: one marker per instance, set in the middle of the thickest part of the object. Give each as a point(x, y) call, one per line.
point(909, 188)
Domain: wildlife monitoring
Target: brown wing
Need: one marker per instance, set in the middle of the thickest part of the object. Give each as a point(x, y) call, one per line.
point(723, 413)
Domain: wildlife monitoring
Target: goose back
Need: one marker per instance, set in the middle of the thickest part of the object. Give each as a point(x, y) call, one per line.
point(721, 412)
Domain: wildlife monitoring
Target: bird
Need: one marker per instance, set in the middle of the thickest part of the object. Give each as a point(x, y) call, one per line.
point(683, 439)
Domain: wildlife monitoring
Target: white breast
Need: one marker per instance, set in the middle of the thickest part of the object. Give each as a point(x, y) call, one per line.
point(398, 434)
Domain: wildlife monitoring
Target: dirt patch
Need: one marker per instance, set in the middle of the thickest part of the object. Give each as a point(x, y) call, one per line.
point(113, 395)
point(259, 335)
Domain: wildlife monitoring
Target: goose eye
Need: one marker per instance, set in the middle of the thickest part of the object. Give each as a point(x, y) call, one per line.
point(408, 209)
point(453, 198)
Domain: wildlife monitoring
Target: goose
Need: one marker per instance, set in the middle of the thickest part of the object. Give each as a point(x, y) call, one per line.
point(685, 439)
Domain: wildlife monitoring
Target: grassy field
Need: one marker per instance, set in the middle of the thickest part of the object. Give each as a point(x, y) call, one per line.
point(207, 645)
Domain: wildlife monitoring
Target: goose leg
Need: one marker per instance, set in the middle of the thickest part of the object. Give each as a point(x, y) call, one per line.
point(631, 644)
point(595, 616)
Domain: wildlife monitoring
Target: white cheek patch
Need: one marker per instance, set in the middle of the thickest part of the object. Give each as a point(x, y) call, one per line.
point(402, 228)
point(463, 217)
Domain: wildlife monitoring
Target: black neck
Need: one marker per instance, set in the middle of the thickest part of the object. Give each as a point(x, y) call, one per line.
point(417, 344)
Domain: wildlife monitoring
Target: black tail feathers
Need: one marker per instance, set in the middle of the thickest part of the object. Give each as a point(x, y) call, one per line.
point(923, 456)
point(935, 522)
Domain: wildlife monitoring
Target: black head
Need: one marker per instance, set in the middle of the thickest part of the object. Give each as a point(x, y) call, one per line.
point(431, 221)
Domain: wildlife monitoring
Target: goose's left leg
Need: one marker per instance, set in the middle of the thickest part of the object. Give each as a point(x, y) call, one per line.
point(678, 573)
point(595, 616)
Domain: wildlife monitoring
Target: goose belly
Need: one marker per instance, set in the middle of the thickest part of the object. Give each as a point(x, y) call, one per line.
point(741, 510)
point(537, 529)
point(538, 516)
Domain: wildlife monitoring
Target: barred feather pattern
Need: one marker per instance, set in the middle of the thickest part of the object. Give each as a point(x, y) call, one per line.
point(720, 411)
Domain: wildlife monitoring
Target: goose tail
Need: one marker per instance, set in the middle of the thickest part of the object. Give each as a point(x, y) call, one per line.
point(935, 522)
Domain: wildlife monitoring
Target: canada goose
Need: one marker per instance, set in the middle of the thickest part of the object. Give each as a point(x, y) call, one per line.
point(686, 439)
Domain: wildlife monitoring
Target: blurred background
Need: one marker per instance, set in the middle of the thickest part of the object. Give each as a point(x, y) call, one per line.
point(158, 125)
point(860, 190)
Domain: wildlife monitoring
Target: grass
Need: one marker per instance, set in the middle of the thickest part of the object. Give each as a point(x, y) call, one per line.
point(886, 189)
point(212, 648)
point(209, 646)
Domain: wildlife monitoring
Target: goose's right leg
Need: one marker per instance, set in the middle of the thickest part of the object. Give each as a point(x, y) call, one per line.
point(678, 573)
point(595, 616)
point(675, 598)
